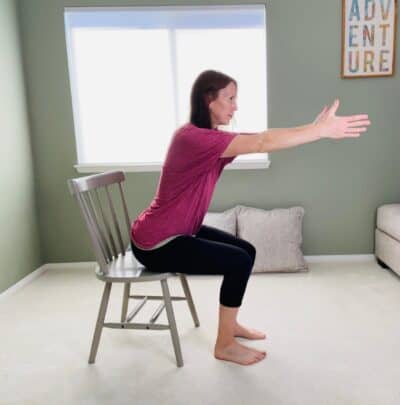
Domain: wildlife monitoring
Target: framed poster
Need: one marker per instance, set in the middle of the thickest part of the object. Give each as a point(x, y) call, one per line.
point(368, 38)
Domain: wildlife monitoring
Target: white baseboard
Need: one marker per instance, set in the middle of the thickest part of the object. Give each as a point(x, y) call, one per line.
point(339, 258)
point(23, 282)
point(90, 265)
point(48, 266)
point(71, 266)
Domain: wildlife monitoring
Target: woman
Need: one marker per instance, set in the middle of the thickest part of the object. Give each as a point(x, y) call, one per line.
point(169, 235)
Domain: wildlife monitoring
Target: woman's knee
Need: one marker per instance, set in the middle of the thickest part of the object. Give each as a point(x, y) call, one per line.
point(236, 278)
point(243, 262)
point(250, 249)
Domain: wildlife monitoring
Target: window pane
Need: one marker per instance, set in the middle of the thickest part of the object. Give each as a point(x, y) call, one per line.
point(226, 50)
point(124, 97)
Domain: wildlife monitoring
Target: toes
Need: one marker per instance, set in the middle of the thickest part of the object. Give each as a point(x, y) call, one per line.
point(258, 358)
point(262, 355)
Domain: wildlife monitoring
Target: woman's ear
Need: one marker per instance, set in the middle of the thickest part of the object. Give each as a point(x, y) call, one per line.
point(207, 99)
point(210, 105)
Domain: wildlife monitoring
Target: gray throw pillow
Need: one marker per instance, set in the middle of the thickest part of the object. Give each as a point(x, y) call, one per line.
point(225, 221)
point(277, 236)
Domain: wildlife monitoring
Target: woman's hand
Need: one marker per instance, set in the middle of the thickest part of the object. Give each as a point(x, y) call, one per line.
point(335, 127)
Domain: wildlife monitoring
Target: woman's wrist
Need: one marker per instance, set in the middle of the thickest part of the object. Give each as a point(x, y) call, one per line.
point(311, 132)
point(320, 129)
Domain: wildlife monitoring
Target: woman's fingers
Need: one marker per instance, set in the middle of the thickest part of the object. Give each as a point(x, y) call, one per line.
point(334, 107)
point(347, 135)
point(355, 130)
point(360, 123)
point(344, 126)
point(358, 117)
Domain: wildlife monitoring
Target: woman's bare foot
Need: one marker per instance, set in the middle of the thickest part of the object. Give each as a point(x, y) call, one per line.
point(238, 353)
point(253, 349)
point(247, 333)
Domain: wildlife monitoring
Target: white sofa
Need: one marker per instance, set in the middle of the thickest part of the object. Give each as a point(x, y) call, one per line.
point(387, 236)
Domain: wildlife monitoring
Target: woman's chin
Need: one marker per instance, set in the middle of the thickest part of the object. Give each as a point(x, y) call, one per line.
point(224, 123)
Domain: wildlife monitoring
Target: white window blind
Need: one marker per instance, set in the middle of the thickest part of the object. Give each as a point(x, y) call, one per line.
point(131, 72)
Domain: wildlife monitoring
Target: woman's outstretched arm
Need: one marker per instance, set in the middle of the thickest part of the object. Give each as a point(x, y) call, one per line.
point(327, 125)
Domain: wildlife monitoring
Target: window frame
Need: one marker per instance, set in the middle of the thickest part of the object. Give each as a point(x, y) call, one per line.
point(241, 164)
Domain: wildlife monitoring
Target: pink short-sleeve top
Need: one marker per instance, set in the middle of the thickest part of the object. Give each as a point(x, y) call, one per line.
point(190, 172)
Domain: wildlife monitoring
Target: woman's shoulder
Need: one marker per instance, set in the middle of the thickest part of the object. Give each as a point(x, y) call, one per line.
point(186, 129)
point(190, 129)
point(187, 132)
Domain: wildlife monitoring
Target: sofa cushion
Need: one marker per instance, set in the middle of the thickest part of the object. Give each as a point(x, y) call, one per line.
point(226, 220)
point(388, 220)
point(276, 235)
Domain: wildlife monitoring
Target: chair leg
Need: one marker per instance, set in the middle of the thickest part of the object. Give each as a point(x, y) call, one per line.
point(189, 299)
point(100, 322)
point(125, 300)
point(172, 323)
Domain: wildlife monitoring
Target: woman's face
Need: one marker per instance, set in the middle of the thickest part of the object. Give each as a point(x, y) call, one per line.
point(224, 106)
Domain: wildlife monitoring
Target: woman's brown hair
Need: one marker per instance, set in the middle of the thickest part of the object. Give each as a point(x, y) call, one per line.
point(204, 90)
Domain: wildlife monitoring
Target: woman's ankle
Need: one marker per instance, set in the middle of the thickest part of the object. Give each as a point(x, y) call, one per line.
point(225, 341)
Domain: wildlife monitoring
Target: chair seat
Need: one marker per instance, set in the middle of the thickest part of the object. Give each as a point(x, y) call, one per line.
point(127, 269)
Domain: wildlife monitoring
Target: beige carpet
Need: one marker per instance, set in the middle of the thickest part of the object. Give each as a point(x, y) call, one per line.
point(333, 338)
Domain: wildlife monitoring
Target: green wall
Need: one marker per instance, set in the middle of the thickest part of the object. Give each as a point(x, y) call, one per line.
point(19, 246)
point(339, 183)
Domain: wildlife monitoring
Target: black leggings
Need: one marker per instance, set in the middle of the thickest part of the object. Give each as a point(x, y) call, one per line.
point(211, 251)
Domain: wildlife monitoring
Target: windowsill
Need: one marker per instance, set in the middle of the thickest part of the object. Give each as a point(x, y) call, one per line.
point(129, 167)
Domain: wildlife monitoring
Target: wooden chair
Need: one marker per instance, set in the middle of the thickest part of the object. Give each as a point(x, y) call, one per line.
point(103, 205)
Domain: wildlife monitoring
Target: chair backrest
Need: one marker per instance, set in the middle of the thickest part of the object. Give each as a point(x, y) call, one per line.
point(102, 202)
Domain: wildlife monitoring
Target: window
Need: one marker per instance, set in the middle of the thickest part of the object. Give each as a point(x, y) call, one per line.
point(131, 71)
